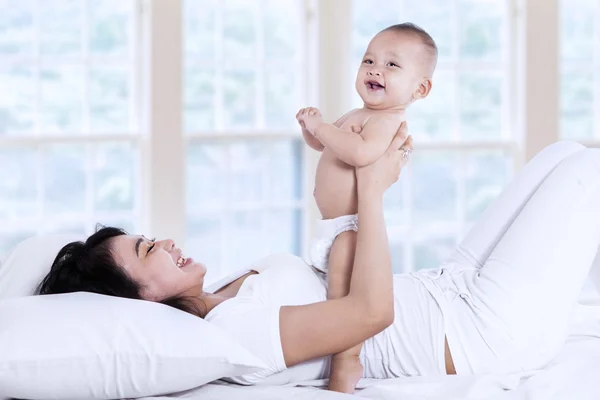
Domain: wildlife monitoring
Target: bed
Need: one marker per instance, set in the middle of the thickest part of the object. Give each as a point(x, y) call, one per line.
point(573, 374)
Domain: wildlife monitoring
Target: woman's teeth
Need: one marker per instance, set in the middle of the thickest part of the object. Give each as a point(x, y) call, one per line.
point(181, 261)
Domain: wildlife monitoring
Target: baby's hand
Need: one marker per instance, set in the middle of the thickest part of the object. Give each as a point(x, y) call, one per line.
point(309, 118)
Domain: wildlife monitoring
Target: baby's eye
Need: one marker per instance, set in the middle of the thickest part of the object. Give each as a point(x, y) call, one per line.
point(367, 61)
point(392, 64)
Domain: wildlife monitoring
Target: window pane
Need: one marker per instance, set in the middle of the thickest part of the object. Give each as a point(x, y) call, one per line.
point(114, 178)
point(283, 228)
point(281, 27)
point(482, 29)
point(577, 104)
point(199, 99)
point(239, 39)
point(432, 252)
point(61, 100)
point(110, 27)
point(64, 179)
point(17, 100)
point(435, 17)
point(109, 100)
point(580, 79)
point(249, 232)
point(481, 105)
point(281, 97)
point(397, 251)
point(206, 176)
point(434, 187)
point(239, 99)
point(433, 116)
point(249, 171)
point(16, 27)
point(18, 183)
point(61, 28)
point(253, 186)
point(395, 204)
point(199, 29)
point(285, 171)
point(577, 21)
point(487, 173)
point(62, 227)
point(204, 244)
point(381, 14)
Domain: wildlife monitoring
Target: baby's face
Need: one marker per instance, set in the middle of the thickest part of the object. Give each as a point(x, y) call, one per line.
point(392, 70)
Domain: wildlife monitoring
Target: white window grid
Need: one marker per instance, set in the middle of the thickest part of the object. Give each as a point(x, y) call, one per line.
point(260, 131)
point(516, 146)
point(40, 141)
point(583, 67)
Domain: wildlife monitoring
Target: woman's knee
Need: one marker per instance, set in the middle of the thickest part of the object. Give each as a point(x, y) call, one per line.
point(583, 166)
point(561, 149)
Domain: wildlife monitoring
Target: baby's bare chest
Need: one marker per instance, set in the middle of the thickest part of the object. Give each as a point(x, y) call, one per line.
point(353, 122)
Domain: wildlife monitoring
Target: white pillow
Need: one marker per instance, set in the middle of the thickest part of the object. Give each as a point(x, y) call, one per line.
point(28, 263)
point(84, 345)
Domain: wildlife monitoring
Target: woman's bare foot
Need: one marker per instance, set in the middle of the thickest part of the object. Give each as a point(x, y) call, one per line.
point(345, 373)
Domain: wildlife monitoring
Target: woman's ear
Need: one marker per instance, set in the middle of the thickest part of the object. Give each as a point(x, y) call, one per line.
point(423, 89)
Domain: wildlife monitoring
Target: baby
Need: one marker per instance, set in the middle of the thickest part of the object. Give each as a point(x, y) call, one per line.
point(396, 70)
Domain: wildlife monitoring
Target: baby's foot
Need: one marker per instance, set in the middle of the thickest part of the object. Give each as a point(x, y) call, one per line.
point(346, 371)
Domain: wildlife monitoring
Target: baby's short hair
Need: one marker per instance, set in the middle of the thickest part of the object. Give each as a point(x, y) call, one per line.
point(413, 29)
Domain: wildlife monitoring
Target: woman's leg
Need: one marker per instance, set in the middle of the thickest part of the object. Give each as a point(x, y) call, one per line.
point(481, 240)
point(533, 276)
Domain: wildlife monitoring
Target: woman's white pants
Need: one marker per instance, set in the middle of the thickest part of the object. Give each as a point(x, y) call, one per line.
point(509, 288)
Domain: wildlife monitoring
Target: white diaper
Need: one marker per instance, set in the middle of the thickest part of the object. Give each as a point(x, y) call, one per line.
point(327, 231)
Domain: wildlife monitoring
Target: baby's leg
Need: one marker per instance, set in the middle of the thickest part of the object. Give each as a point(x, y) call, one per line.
point(346, 369)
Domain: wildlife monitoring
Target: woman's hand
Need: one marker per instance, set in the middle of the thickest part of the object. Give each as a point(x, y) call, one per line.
point(380, 175)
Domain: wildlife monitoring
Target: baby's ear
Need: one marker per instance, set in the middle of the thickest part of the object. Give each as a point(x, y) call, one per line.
point(423, 89)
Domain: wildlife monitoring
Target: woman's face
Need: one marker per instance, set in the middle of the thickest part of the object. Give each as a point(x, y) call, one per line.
point(158, 267)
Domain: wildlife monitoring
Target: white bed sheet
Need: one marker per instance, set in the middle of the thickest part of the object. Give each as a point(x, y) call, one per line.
point(573, 374)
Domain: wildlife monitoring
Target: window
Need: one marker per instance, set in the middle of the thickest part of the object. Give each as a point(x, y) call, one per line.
point(84, 111)
point(244, 83)
point(69, 125)
point(466, 146)
point(580, 70)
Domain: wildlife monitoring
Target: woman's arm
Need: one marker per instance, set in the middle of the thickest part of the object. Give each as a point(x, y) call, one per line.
point(320, 329)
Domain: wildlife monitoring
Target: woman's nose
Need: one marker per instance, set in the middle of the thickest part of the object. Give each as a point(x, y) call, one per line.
point(168, 244)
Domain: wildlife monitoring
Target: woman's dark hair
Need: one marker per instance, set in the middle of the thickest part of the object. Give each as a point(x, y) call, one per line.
point(90, 266)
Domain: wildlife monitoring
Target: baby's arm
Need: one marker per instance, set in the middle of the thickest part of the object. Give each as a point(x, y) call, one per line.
point(355, 150)
point(346, 369)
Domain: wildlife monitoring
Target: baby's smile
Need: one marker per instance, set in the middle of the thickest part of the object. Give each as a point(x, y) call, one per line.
point(373, 85)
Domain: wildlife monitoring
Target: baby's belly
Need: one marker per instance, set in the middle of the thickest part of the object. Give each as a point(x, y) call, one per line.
point(335, 188)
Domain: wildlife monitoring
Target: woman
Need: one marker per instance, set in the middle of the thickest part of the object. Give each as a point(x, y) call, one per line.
point(501, 304)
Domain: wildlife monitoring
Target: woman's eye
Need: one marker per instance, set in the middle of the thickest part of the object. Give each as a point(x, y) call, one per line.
point(151, 247)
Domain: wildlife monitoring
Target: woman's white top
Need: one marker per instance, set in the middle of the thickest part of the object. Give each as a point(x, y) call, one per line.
point(412, 345)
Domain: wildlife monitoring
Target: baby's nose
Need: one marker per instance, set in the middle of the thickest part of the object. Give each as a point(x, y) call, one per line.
point(375, 73)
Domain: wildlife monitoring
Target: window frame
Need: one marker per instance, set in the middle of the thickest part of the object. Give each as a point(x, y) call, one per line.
point(533, 114)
